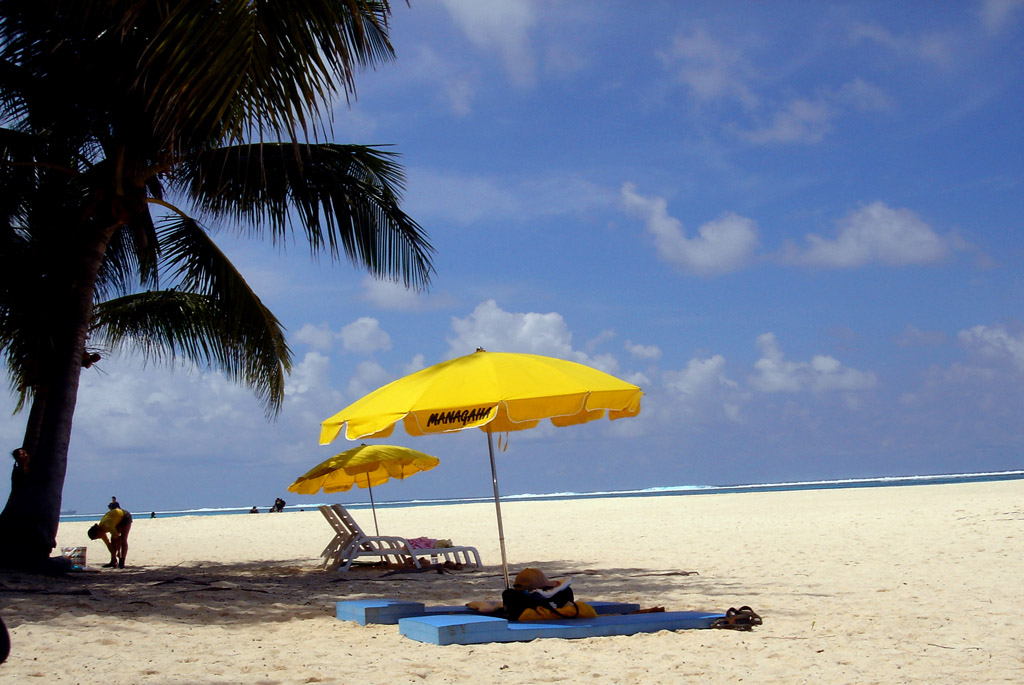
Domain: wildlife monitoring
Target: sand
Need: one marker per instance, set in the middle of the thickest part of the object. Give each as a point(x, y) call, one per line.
point(873, 585)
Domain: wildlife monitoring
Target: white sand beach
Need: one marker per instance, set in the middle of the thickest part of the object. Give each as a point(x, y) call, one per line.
point(873, 585)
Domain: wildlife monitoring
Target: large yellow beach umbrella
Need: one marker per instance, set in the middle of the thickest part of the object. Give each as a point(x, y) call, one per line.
point(363, 466)
point(494, 391)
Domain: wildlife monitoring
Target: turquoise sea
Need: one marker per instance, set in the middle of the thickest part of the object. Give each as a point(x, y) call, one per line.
point(668, 491)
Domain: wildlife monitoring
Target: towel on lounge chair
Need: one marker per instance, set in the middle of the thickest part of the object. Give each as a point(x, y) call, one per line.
point(422, 543)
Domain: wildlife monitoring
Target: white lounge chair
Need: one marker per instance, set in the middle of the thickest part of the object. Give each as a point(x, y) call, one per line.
point(350, 542)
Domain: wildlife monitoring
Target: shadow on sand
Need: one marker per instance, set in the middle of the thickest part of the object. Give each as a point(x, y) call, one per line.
point(262, 592)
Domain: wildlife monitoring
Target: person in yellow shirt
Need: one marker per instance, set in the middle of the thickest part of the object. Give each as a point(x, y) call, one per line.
point(117, 523)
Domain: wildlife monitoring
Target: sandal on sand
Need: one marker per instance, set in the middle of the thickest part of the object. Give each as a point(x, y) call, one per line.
point(743, 618)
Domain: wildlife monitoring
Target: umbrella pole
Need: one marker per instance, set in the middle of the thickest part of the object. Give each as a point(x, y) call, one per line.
point(372, 505)
point(497, 508)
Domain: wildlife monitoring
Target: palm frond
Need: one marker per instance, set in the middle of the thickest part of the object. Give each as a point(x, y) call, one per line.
point(130, 262)
point(26, 317)
point(166, 325)
point(345, 198)
point(274, 65)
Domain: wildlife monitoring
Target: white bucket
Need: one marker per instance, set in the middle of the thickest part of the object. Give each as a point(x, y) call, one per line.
point(75, 554)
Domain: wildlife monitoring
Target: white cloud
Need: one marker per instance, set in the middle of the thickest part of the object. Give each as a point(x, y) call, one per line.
point(937, 48)
point(774, 373)
point(809, 120)
point(960, 374)
point(503, 27)
point(454, 84)
point(460, 92)
point(864, 96)
point(603, 362)
point(637, 378)
point(593, 343)
point(415, 364)
point(364, 336)
point(309, 375)
point(721, 246)
point(995, 342)
point(822, 374)
point(875, 234)
point(129, 403)
point(166, 414)
point(714, 71)
point(698, 377)
point(368, 377)
point(802, 121)
point(711, 70)
point(829, 374)
point(643, 351)
point(318, 337)
point(490, 327)
point(390, 294)
point(702, 391)
point(996, 15)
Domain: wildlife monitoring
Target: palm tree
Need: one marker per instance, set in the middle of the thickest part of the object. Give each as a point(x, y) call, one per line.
point(128, 127)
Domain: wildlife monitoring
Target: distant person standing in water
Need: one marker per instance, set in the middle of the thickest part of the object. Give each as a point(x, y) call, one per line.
point(114, 504)
point(116, 523)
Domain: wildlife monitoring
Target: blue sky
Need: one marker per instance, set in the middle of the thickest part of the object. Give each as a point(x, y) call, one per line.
point(797, 225)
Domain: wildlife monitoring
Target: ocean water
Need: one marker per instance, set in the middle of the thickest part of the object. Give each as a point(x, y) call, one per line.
point(668, 491)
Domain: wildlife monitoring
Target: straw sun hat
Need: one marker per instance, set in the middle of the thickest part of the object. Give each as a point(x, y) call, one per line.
point(530, 579)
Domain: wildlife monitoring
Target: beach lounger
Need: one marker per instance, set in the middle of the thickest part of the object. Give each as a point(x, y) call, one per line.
point(350, 543)
point(342, 538)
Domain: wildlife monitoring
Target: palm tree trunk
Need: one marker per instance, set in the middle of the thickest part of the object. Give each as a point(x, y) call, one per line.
point(35, 420)
point(28, 523)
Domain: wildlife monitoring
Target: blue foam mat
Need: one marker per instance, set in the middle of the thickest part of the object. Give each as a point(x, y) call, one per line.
point(390, 611)
point(455, 629)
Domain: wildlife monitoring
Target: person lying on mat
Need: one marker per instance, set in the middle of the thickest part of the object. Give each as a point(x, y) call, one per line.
point(117, 523)
point(533, 597)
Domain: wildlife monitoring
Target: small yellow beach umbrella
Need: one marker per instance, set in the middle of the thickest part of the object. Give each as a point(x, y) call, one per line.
point(493, 391)
point(363, 466)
